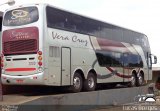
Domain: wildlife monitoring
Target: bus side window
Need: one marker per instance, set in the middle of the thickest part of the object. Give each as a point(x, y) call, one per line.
point(125, 60)
point(54, 51)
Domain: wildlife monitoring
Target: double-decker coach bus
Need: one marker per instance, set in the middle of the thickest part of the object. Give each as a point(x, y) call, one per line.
point(44, 45)
point(1, 16)
point(1, 22)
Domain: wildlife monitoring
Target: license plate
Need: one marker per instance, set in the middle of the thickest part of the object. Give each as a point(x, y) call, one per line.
point(19, 80)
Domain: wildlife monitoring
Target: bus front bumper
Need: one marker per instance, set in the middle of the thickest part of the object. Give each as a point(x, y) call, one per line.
point(35, 79)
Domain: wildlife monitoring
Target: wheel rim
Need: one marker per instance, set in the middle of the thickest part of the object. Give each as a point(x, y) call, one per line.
point(91, 82)
point(133, 81)
point(140, 80)
point(77, 82)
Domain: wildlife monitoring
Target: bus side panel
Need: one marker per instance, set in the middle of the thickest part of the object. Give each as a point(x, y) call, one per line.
point(105, 73)
point(54, 71)
point(145, 68)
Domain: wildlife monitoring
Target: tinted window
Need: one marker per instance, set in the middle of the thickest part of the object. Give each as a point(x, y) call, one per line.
point(64, 20)
point(106, 58)
point(106, 31)
point(116, 59)
point(54, 18)
point(132, 60)
point(127, 36)
point(21, 16)
point(117, 34)
point(68, 21)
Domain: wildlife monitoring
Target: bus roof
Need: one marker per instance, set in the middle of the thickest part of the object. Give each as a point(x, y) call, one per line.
point(118, 26)
point(45, 4)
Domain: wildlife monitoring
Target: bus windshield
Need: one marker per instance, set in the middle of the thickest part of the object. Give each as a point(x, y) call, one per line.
point(21, 16)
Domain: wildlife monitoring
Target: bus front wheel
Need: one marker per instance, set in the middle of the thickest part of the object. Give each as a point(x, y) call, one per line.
point(140, 80)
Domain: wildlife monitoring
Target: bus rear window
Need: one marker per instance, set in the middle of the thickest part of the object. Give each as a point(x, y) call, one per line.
point(20, 41)
point(21, 16)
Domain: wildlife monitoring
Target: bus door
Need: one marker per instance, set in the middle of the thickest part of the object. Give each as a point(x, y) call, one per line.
point(66, 66)
point(149, 68)
point(126, 69)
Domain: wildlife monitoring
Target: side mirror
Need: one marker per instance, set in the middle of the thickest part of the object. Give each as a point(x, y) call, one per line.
point(154, 59)
point(11, 2)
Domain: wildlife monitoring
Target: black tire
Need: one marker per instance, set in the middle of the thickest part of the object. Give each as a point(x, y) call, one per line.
point(90, 82)
point(140, 80)
point(133, 81)
point(77, 83)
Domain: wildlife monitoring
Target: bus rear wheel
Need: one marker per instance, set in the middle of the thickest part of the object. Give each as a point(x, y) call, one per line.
point(77, 83)
point(90, 82)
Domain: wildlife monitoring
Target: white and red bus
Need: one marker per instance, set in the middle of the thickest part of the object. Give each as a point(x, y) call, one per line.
point(1, 16)
point(44, 45)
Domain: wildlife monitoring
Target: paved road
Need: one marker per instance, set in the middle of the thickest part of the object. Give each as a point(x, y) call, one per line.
point(50, 97)
point(109, 108)
point(133, 107)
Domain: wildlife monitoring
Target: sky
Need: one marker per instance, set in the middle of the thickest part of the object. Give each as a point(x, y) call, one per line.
point(139, 15)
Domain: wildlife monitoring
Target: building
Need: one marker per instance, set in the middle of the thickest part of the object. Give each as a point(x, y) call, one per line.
point(156, 76)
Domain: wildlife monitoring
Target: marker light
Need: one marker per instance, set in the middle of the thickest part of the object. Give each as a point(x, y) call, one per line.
point(39, 52)
point(39, 58)
point(40, 63)
point(2, 60)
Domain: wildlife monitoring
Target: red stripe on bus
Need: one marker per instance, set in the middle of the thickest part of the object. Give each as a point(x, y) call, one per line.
point(118, 74)
point(20, 69)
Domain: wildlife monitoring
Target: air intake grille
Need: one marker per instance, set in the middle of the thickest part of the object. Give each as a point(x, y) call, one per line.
point(20, 46)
